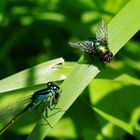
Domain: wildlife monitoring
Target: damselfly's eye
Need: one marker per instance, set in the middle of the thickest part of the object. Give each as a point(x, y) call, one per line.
point(49, 84)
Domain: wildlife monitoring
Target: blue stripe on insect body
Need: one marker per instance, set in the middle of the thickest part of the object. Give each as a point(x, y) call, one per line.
point(48, 95)
point(52, 91)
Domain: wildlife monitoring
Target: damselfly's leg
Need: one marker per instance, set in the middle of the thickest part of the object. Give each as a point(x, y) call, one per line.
point(51, 107)
point(40, 113)
point(52, 104)
point(46, 120)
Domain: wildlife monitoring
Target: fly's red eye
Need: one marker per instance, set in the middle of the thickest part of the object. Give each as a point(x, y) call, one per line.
point(110, 54)
point(105, 57)
point(108, 57)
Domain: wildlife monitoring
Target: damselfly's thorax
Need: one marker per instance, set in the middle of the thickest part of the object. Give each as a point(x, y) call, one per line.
point(51, 90)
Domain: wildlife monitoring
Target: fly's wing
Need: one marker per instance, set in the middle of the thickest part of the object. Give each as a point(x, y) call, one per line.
point(86, 46)
point(102, 33)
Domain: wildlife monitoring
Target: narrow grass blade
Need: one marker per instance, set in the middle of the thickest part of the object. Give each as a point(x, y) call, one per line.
point(41, 73)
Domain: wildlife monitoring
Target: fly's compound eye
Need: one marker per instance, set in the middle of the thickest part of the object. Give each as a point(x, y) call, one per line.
point(108, 57)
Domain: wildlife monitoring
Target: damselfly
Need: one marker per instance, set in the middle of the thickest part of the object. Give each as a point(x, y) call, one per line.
point(49, 95)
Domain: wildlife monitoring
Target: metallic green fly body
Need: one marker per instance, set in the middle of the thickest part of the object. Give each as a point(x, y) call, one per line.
point(96, 46)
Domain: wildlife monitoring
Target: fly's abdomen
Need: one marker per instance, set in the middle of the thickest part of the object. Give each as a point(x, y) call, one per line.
point(101, 50)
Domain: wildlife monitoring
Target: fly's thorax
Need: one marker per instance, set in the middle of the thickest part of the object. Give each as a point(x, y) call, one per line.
point(101, 48)
point(103, 51)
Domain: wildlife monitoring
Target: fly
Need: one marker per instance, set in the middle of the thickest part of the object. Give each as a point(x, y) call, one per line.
point(96, 46)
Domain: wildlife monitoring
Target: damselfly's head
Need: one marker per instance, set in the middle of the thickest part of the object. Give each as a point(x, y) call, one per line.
point(50, 84)
point(54, 87)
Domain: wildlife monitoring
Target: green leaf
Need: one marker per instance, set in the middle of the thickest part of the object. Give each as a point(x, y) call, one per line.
point(115, 121)
point(39, 74)
point(32, 79)
point(16, 88)
point(117, 97)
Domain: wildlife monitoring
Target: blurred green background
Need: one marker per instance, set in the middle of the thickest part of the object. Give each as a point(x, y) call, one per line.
point(35, 31)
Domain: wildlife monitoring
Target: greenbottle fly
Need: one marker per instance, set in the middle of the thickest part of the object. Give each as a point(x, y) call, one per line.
point(49, 95)
point(97, 46)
